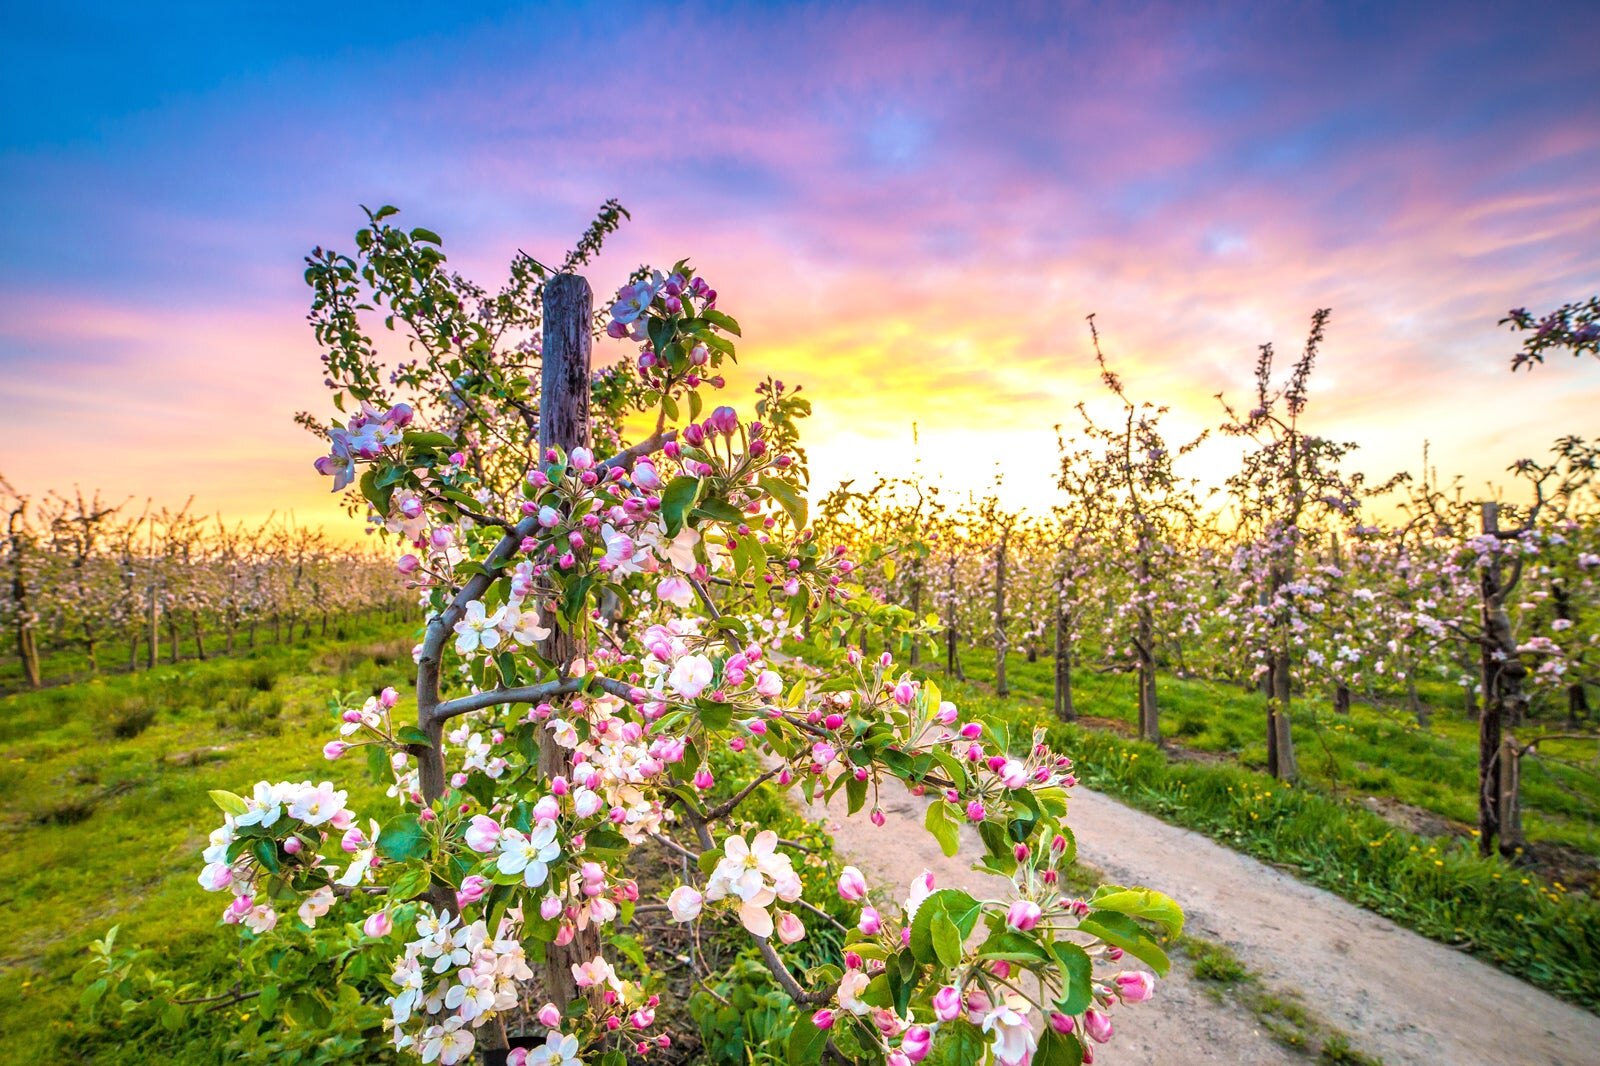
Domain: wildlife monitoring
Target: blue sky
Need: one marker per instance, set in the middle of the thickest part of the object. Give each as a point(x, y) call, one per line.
point(911, 207)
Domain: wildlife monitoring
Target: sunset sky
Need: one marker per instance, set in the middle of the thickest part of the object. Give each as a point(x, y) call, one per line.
point(910, 209)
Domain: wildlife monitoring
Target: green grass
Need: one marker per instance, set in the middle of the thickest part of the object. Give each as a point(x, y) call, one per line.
point(1370, 752)
point(1440, 888)
point(103, 795)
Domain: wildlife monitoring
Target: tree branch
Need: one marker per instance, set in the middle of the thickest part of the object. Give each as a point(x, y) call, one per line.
point(650, 444)
point(528, 694)
point(780, 970)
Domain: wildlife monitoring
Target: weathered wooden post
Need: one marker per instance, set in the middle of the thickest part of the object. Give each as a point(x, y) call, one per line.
point(1508, 803)
point(564, 398)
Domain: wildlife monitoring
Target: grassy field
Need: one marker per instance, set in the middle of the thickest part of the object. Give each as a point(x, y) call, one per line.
point(103, 795)
point(1371, 752)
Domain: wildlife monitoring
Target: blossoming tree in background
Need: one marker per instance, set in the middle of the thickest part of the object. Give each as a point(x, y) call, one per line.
point(605, 612)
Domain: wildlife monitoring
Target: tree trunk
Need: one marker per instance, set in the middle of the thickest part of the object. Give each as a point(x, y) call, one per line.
point(154, 633)
point(1144, 644)
point(916, 610)
point(1419, 710)
point(564, 423)
point(199, 639)
point(951, 649)
point(1502, 699)
point(1065, 711)
point(28, 652)
point(1149, 711)
point(1341, 698)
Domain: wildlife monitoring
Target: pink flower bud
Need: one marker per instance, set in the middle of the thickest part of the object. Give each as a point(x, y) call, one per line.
point(334, 749)
point(378, 924)
point(947, 1003)
point(823, 1019)
point(483, 833)
point(473, 888)
point(1023, 915)
point(1097, 1024)
point(852, 886)
point(1135, 986)
point(790, 929)
point(723, 420)
point(870, 922)
point(917, 1042)
point(975, 811)
point(877, 817)
point(549, 1017)
point(293, 845)
point(408, 564)
point(1061, 1023)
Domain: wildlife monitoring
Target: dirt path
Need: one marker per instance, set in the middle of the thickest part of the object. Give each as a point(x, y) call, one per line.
point(1397, 995)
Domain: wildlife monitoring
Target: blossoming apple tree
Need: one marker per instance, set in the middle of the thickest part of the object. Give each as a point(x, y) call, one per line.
point(600, 617)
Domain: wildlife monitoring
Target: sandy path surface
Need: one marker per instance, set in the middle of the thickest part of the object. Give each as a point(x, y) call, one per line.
point(1394, 993)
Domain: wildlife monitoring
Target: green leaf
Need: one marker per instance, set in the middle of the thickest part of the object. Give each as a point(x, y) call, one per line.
point(1077, 978)
point(787, 496)
point(957, 906)
point(855, 791)
point(266, 853)
point(945, 829)
point(267, 1002)
point(946, 940)
point(420, 234)
point(676, 501)
point(1001, 856)
point(91, 995)
point(377, 495)
point(806, 1041)
point(422, 440)
point(722, 322)
point(410, 734)
point(403, 839)
point(1013, 946)
point(1141, 903)
point(720, 510)
point(1123, 932)
point(411, 884)
point(1058, 1049)
point(959, 1043)
point(229, 803)
point(574, 598)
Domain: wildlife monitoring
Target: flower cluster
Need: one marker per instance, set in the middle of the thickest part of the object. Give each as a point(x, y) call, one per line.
point(452, 979)
point(366, 436)
point(280, 830)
